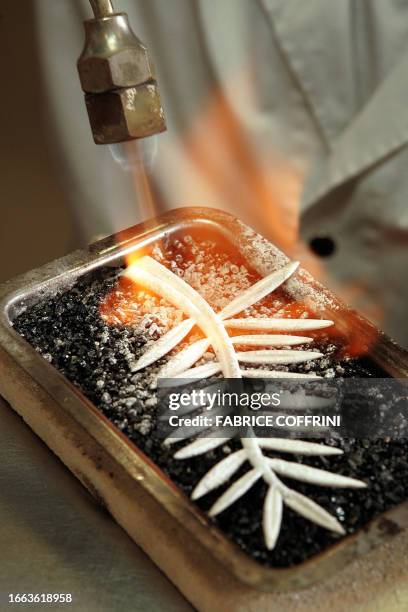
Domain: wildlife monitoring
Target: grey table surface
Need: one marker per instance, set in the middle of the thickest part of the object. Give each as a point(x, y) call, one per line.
point(55, 539)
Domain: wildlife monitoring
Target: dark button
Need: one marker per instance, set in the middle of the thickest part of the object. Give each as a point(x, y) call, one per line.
point(324, 246)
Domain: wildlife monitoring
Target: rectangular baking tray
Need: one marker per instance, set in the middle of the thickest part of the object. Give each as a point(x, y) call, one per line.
point(157, 515)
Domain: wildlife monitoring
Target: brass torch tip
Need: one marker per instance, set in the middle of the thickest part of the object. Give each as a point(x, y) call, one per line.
point(117, 76)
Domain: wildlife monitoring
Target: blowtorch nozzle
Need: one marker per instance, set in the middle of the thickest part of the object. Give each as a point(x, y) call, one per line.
point(118, 79)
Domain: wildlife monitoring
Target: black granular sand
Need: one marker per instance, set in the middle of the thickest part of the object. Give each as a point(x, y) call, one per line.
point(94, 332)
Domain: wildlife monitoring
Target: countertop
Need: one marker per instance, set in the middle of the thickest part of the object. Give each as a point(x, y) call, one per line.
point(55, 539)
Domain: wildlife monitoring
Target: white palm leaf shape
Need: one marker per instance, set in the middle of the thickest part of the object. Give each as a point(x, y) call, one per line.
point(186, 358)
point(157, 278)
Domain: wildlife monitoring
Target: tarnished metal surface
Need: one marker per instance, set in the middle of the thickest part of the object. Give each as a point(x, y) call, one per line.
point(119, 475)
point(125, 114)
point(113, 57)
point(55, 539)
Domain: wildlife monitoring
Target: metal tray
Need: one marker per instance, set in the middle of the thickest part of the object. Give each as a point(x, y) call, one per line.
point(141, 498)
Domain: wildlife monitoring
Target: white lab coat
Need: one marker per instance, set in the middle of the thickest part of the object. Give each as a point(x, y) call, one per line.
point(320, 90)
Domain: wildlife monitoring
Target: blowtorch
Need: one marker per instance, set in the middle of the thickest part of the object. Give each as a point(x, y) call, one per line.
point(118, 78)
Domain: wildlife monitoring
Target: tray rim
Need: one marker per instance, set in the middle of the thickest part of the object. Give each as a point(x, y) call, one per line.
point(121, 450)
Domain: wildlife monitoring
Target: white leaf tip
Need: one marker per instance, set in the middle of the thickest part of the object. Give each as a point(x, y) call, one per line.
point(183, 453)
point(338, 528)
point(358, 484)
point(196, 494)
point(333, 450)
point(213, 511)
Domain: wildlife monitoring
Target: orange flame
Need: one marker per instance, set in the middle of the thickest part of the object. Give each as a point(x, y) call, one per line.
point(263, 189)
point(266, 195)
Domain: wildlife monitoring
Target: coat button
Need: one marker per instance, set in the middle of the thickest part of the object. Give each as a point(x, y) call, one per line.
point(324, 246)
